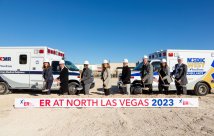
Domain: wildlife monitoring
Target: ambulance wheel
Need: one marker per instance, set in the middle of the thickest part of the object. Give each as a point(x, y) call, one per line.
point(201, 89)
point(3, 88)
point(72, 88)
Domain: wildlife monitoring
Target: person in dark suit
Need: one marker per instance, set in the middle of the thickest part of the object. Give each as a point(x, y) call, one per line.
point(147, 74)
point(63, 78)
point(126, 76)
point(180, 75)
point(86, 78)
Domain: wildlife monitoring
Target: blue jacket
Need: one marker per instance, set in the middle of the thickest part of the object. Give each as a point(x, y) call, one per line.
point(47, 74)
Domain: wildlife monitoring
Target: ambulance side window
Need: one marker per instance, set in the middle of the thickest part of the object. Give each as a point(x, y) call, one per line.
point(23, 59)
point(156, 66)
point(55, 65)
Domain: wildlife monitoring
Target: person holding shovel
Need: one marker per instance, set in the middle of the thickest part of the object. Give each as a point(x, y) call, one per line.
point(147, 75)
point(48, 76)
point(106, 77)
point(126, 76)
point(63, 78)
point(86, 78)
point(180, 75)
point(163, 83)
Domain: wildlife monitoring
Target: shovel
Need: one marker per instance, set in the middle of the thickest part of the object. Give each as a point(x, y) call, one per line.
point(178, 82)
point(144, 87)
point(164, 84)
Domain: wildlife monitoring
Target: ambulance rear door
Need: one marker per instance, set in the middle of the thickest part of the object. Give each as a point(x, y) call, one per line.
point(19, 77)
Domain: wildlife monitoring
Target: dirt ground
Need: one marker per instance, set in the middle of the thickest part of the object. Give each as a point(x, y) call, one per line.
point(105, 121)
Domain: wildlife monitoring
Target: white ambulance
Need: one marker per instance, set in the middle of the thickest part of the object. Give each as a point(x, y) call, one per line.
point(200, 65)
point(21, 68)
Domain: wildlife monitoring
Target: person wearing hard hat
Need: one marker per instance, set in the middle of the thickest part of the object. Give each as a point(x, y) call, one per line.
point(180, 75)
point(106, 77)
point(164, 71)
point(126, 75)
point(147, 74)
point(48, 76)
point(86, 78)
point(63, 78)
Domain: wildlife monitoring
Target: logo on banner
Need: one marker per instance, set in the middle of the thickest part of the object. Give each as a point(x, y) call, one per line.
point(5, 58)
point(186, 102)
point(25, 103)
point(196, 66)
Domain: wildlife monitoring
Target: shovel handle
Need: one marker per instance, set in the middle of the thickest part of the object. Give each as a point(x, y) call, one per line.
point(161, 78)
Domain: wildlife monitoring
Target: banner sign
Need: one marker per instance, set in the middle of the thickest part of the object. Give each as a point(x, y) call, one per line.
point(105, 102)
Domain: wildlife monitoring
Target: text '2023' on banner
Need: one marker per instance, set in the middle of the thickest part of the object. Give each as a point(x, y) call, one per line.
point(104, 102)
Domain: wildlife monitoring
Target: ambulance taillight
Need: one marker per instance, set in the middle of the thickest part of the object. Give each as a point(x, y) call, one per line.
point(170, 54)
point(41, 51)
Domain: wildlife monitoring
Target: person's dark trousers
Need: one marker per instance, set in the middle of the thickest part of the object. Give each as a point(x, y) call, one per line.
point(64, 88)
point(149, 86)
point(184, 88)
point(107, 91)
point(48, 86)
point(161, 87)
point(179, 88)
point(87, 88)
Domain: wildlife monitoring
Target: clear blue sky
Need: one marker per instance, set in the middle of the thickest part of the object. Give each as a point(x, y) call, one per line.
point(111, 29)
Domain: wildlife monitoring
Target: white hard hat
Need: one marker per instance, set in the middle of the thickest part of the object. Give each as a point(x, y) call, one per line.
point(61, 62)
point(125, 61)
point(145, 57)
point(180, 57)
point(163, 60)
point(86, 62)
point(46, 60)
point(105, 61)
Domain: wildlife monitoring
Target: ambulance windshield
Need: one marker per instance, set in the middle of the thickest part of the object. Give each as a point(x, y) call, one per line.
point(138, 67)
point(71, 66)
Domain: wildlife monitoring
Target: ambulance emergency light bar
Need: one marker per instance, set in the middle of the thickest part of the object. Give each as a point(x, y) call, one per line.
point(49, 51)
point(160, 54)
